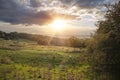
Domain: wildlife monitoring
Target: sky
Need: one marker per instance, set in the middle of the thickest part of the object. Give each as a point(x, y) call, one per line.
point(35, 16)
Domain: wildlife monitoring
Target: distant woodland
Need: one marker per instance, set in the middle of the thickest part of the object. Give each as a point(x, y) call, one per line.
point(45, 40)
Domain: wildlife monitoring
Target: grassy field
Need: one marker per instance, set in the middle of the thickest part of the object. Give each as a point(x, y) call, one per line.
point(25, 60)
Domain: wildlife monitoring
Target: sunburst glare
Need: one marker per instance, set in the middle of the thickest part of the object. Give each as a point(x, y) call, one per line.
point(58, 25)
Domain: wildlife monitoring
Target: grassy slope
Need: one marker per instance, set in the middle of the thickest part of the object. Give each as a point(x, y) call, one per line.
point(28, 61)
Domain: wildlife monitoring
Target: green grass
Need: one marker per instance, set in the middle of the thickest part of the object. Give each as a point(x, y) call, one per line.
point(25, 60)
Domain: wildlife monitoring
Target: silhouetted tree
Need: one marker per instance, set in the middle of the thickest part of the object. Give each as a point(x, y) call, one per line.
point(43, 42)
point(105, 45)
point(76, 42)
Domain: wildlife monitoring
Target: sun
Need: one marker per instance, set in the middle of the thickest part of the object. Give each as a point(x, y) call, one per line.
point(58, 25)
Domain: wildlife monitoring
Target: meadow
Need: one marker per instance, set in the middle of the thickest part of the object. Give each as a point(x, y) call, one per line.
point(96, 57)
point(26, 60)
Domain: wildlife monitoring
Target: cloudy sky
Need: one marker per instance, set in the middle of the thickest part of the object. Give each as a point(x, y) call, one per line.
point(34, 16)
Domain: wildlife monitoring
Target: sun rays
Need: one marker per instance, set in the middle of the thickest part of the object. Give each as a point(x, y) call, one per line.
point(58, 25)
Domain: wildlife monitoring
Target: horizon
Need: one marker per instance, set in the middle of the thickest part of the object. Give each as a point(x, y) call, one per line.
point(61, 18)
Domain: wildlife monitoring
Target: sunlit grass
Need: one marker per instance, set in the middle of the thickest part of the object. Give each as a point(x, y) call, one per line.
point(26, 60)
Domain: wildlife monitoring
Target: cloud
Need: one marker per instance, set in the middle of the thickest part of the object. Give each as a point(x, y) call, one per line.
point(40, 11)
point(18, 12)
point(84, 3)
point(12, 11)
point(35, 3)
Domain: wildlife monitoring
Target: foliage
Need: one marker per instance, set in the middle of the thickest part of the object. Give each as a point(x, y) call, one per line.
point(46, 40)
point(40, 39)
point(76, 42)
point(105, 45)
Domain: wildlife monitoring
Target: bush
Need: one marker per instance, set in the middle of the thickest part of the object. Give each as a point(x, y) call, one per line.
point(105, 46)
point(5, 60)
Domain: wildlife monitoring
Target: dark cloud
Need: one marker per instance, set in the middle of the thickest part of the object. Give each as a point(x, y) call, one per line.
point(17, 12)
point(25, 11)
point(12, 11)
point(35, 3)
point(84, 3)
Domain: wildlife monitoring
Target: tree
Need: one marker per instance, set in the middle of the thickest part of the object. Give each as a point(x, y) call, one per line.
point(2, 34)
point(106, 45)
point(43, 42)
point(76, 42)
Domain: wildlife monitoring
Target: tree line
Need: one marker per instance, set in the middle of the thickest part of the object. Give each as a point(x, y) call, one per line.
point(46, 40)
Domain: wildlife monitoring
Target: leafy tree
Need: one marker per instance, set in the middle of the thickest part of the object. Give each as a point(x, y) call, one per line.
point(43, 42)
point(106, 45)
point(76, 42)
point(2, 34)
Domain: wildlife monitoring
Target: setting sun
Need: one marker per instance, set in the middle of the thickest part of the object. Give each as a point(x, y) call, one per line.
point(59, 24)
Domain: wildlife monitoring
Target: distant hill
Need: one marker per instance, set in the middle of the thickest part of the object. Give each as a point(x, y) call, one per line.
point(41, 39)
